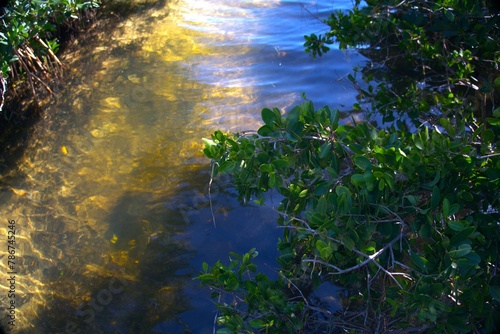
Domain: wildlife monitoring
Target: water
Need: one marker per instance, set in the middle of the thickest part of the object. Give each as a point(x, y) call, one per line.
point(110, 202)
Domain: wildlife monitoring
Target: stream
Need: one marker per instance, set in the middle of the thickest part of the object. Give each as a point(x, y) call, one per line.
point(109, 202)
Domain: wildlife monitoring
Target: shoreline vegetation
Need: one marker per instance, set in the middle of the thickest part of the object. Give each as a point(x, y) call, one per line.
point(31, 36)
point(36, 38)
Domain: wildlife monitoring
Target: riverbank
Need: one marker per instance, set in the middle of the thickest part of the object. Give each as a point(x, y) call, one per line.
point(25, 103)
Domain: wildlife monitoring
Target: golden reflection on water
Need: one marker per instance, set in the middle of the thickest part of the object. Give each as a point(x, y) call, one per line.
point(102, 240)
point(88, 197)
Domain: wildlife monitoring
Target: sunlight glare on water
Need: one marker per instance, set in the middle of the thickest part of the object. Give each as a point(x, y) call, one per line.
point(110, 197)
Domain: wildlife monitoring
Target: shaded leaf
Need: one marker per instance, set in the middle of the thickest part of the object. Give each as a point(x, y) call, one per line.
point(362, 162)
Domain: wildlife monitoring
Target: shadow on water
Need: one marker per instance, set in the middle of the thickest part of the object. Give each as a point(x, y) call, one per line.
point(153, 247)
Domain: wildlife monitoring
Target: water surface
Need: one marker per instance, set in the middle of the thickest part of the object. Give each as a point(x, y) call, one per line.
point(110, 198)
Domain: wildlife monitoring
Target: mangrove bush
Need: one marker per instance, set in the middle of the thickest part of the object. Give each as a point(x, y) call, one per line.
point(406, 217)
point(29, 38)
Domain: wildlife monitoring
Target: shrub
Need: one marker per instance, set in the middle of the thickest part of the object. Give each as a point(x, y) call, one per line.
point(428, 56)
point(407, 222)
point(28, 40)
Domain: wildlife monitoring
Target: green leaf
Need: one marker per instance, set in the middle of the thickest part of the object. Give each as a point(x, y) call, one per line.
point(326, 252)
point(488, 136)
point(411, 199)
point(322, 205)
point(420, 261)
point(320, 244)
point(265, 131)
point(362, 162)
point(454, 208)
point(461, 236)
point(257, 323)
point(345, 197)
point(457, 225)
point(324, 150)
point(425, 230)
point(436, 179)
point(461, 251)
point(348, 243)
point(495, 292)
point(208, 142)
point(436, 197)
point(358, 179)
point(445, 123)
point(227, 166)
point(334, 118)
point(280, 163)
point(292, 117)
point(266, 168)
point(322, 187)
point(418, 142)
point(268, 117)
point(446, 207)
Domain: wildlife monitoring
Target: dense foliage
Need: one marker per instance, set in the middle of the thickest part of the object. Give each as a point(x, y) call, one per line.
point(407, 221)
point(429, 55)
point(28, 38)
point(405, 218)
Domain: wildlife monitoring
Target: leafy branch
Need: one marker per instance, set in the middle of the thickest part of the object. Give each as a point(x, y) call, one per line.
point(360, 202)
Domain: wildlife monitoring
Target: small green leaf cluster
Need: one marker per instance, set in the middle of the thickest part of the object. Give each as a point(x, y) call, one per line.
point(250, 302)
point(406, 221)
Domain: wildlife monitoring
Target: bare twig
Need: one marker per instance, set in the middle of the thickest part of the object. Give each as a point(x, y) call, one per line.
point(212, 170)
point(3, 82)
